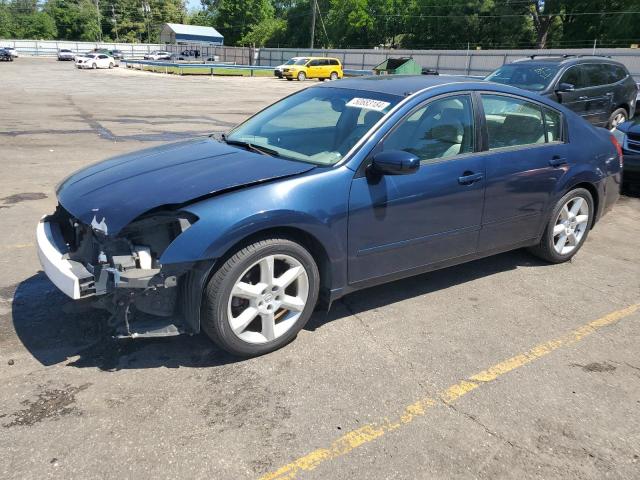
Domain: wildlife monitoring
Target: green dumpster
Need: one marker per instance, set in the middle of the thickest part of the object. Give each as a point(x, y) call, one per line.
point(398, 66)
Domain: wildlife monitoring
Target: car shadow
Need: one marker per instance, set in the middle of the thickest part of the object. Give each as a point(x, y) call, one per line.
point(56, 330)
point(399, 290)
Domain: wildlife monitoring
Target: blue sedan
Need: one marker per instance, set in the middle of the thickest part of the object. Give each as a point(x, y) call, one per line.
point(335, 188)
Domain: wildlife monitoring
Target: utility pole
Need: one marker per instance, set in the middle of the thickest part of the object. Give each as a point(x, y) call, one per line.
point(99, 21)
point(146, 8)
point(115, 22)
point(314, 7)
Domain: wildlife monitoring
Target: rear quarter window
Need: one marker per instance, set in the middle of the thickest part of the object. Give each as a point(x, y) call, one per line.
point(553, 125)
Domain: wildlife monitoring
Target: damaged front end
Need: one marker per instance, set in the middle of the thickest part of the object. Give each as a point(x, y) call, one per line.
point(122, 273)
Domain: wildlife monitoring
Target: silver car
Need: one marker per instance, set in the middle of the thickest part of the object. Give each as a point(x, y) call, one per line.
point(65, 54)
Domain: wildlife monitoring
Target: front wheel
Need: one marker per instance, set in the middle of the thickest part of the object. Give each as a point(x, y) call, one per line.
point(617, 117)
point(567, 228)
point(260, 298)
point(94, 66)
point(334, 76)
point(110, 65)
point(301, 76)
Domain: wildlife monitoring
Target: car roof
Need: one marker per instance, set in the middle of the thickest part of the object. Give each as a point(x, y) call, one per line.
point(401, 85)
point(564, 60)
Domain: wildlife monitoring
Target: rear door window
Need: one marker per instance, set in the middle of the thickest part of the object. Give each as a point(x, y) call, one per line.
point(595, 75)
point(512, 122)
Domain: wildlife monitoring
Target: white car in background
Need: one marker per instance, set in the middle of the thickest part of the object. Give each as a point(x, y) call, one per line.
point(95, 60)
point(158, 55)
point(66, 54)
point(278, 70)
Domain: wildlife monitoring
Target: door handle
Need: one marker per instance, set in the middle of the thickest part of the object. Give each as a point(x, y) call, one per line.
point(468, 178)
point(583, 97)
point(609, 94)
point(557, 161)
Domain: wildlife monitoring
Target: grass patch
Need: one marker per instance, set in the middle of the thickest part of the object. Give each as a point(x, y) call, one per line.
point(235, 72)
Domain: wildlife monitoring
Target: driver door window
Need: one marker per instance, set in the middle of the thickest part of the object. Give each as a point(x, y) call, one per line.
point(573, 77)
point(440, 130)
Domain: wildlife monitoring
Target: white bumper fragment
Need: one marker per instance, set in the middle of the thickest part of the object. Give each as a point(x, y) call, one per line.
point(59, 270)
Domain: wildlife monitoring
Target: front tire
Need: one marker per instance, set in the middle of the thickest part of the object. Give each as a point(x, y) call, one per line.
point(618, 116)
point(260, 297)
point(110, 65)
point(94, 66)
point(302, 76)
point(567, 228)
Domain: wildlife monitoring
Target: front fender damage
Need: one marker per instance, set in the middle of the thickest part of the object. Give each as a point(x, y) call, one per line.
point(145, 297)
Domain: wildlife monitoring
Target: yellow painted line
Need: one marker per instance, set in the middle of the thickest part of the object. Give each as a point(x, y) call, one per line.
point(369, 433)
point(17, 246)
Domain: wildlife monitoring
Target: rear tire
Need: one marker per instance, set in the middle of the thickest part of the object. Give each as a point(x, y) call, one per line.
point(94, 66)
point(567, 228)
point(110, 65)
point(617, 117)
point(334, 76)
point(245, 302)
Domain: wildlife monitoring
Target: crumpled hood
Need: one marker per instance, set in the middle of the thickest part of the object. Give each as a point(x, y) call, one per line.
point(114, 192)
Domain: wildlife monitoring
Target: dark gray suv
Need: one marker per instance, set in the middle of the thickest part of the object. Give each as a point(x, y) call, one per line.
point(597, 88)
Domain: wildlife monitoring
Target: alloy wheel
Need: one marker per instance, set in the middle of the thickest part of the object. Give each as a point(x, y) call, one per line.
point(571, 224)
point(617, 120)
point(268, 298)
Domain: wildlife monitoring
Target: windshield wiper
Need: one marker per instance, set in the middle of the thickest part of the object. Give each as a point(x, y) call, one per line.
point(256, 148)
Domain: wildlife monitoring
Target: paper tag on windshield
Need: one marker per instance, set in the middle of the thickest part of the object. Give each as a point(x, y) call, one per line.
point(368, 104)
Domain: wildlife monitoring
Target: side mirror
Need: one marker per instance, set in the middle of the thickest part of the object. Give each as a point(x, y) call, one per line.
point(565, 87)
point(395, 162)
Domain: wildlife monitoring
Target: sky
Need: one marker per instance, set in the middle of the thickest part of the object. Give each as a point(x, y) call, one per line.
point(193, 4)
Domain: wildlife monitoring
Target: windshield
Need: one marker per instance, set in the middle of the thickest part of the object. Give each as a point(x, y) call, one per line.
point(316, 125)
point(302, 61)
point(529, 77)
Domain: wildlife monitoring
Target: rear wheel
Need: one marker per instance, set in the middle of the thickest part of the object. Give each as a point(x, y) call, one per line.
point(618, 116)
point(110, 64)
point(334, 76)
point(94, 66)
point(302, 76)
point(261, 297)
point(567, 228)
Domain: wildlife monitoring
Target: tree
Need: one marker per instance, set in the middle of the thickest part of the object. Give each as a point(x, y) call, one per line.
point(74, 19)
point(264, 31)
point(236, 19)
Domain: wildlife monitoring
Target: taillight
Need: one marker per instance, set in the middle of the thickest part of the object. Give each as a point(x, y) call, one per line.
point(616, 144)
